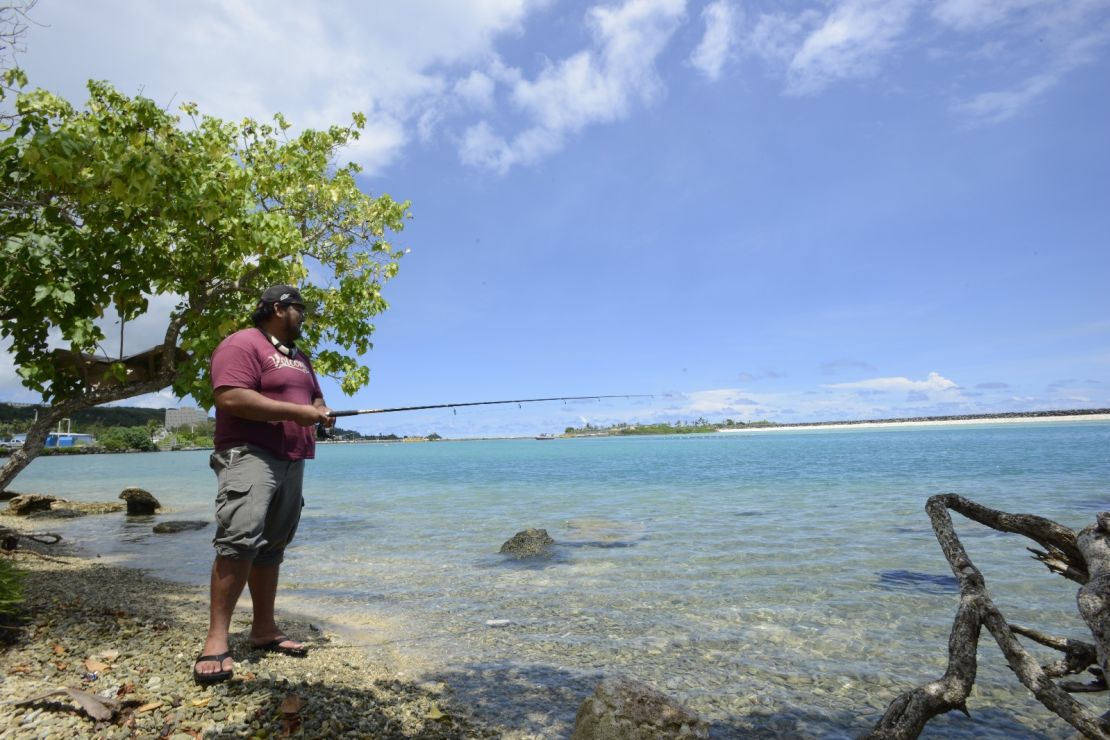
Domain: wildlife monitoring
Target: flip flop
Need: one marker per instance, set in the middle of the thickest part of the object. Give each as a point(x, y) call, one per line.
point(275, 646)
point(207, 679)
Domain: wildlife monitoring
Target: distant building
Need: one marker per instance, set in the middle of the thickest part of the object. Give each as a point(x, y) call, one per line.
point(188, 416)
point(62, 439)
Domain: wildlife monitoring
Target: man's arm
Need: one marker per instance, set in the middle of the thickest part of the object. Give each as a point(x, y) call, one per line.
point(248, 404)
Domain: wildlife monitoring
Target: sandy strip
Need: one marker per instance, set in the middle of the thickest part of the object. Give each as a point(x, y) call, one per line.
point(925, 423)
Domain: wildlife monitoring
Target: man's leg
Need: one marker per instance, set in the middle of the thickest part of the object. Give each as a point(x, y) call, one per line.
point(228, 578)
point(263, 582)
point(282, 517)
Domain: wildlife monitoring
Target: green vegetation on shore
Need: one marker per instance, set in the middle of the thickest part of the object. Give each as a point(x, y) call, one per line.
point(124, 428)
point(20, 417)
point(698, 426)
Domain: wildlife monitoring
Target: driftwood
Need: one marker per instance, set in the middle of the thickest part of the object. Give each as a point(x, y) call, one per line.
point(9, 538)
point(97, 707)
point(97, 371)
point(1083, 558)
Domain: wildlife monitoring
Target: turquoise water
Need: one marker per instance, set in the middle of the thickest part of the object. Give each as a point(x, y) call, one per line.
point(783, 583)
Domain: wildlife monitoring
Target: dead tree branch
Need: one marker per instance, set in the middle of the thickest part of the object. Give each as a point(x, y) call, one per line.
point(1084, 558)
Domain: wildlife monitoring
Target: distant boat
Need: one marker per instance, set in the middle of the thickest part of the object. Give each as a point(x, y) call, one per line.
point(547, 436)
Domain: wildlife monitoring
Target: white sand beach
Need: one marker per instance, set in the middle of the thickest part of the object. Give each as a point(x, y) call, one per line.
point(924, 423)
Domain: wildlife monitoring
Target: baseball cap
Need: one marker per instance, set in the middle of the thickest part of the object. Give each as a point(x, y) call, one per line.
point(282, 294)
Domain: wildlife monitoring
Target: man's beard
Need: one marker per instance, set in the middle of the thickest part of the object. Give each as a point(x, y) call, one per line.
point(293, 328)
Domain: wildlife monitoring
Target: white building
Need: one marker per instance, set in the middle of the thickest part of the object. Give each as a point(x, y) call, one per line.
point(185, 417)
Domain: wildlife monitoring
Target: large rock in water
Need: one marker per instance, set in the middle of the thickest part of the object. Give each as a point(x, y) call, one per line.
point(528, 544)
point(27, 503)
point(621, 709)
point(139, 501)
point(178, 526)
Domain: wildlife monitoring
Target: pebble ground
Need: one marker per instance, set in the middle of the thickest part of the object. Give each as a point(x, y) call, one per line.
point(128, 637)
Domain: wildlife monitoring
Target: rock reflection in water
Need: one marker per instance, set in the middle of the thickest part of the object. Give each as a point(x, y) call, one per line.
point(600, 532)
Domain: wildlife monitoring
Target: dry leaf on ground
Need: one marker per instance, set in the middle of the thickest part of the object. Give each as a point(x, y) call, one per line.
point(291, 704)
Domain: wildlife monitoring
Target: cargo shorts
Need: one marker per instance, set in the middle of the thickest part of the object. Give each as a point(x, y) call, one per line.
point(258, 504)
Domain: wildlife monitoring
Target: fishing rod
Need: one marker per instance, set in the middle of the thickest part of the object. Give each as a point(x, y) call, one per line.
point(336, 414)
point(320, 432)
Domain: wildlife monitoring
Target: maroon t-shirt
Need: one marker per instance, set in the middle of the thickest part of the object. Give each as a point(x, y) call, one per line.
point(248, 359)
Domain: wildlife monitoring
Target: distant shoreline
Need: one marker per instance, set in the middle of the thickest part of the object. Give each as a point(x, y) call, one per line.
point(1013, 417)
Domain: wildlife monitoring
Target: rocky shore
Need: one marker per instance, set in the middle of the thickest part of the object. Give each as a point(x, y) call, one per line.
point(130, 640)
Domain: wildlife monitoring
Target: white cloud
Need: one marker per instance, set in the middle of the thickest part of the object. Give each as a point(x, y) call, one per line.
point(851, 43)
point(595, 85)
point(777, 37)
point(1050, 37)
point(317, 63)
point(476, 90)
point(11, 385)
point(416, 81)
point(973, 15)
point(883, 398)
point(716, 44)
point(717, 401)
point(935, 382)
point(163, 399)
point(999, 105)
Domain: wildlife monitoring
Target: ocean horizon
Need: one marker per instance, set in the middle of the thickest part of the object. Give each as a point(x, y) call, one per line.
point(784, 584)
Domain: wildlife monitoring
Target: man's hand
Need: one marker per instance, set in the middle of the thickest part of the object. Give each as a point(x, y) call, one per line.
point(310, 416)
point(330, 421)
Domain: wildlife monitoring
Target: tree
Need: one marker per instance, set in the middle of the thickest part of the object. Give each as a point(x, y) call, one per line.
point(108, 206)
point(121, 439)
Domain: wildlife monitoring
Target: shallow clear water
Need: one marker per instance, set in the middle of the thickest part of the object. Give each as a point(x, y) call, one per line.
point(782, 583)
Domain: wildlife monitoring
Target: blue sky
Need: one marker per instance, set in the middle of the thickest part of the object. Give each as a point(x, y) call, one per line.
point(796, 211)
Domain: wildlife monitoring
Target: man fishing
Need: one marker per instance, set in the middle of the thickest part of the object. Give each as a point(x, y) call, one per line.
point(268, 403)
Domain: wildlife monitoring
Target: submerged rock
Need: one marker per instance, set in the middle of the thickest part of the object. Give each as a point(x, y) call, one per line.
point(30, 502)
point(63, 512)
point(95, 507)
point(529, 543)
point(600, 532)
point(139, 501)
point(178, 526)
point(621, 709)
